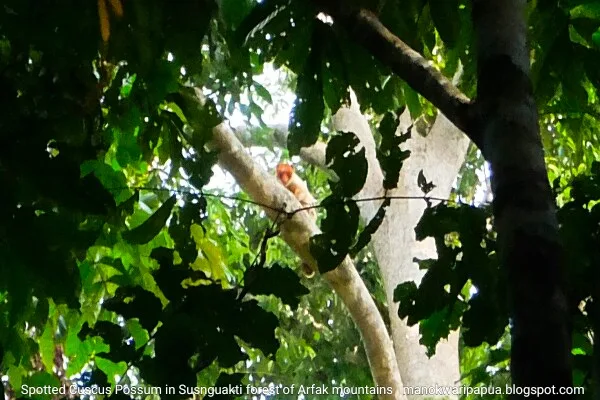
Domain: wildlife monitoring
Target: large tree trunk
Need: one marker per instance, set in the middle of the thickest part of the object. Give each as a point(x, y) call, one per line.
point(503, 123)
point(524, 208)
point(440, 156)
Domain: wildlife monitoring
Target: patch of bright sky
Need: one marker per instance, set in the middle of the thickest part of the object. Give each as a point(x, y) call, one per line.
point(484, 192)
point(277, 113)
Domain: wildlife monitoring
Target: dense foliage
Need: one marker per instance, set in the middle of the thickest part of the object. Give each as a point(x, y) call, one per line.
point(119, 267)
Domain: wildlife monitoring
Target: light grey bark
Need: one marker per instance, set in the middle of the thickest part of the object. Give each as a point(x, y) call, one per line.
point(440, 156)
point(263, 188)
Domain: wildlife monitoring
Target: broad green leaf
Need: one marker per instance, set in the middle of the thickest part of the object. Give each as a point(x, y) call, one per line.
point(262, 92)
point(445, 14)
point(589, 10)
point(135, 302)
point(259, 280)
point(413, 102)
point(15, 376)
point(365, 236)
point(47, 346)
point(111, 369)
point(347, 160)
point(234, 11)
point(153, 225)
point(389, 154)
point(138, 333)
point(305, 123)
point(41, 380)
point(596, 38)
point(339, 230)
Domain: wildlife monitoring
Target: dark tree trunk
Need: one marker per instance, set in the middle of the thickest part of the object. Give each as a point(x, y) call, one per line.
point(524, 207)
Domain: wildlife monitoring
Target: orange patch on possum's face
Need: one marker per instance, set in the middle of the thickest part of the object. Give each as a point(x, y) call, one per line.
point(284, 173)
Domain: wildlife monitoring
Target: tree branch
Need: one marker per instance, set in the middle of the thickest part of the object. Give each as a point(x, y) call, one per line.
point(366, 29)
point(263, 188)
point(314, 155)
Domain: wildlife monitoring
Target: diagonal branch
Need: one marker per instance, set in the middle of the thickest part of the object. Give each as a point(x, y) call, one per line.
point(263, 188)
point(366, 29)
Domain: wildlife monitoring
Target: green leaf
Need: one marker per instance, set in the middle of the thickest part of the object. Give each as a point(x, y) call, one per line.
point(257, 18)
point(596, 38)
point(288, 289)
point(257, 326)
point(46, 342)
point(114, 181)
point(445, 15)
point(307, 114)
point(347, 163)
point(412, 101)
point(135, 302)
point(404, 294)
point(15, 376)
point(365, 236)
point(425, 186)
point(152, 226)
point(139, 335)
point(40, 380)
point(589, 10)
point(439, 325)
point(127, 207)
point(391, 97)
point(484, 322)
point(262, 92)
point(234, 11)
point(110, 368)
point(334, 71)
point(389, 154)
point(339, 229)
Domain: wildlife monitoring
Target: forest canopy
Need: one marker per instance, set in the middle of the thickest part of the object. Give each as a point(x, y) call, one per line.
point(146, 243)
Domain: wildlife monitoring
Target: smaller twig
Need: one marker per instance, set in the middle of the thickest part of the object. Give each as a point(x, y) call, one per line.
point(290, 214)
point(260, 258)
